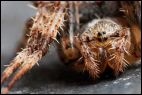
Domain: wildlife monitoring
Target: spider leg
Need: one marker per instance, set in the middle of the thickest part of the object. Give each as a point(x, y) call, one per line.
point(17, 61)
point(78, 57)
point(132, 11)
point(66, 49)
point(77, 15)
point(89, 54)
point(136, 36)
point(70, 56)
point(14, 64)
point(30, 61)
point(117, 57)
point(66, 52)
point(43, 32)
point(70, 50)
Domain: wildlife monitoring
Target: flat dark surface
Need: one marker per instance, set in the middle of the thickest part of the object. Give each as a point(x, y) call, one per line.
point(52, 76)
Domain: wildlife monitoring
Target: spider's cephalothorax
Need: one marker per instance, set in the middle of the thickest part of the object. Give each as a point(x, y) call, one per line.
point(93, 48)
point(102, 44)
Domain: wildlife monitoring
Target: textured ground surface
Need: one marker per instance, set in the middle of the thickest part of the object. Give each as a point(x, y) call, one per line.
point(51, 76)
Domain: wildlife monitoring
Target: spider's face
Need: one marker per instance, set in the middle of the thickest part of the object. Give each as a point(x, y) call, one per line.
point(103, 29)
point(101, 36)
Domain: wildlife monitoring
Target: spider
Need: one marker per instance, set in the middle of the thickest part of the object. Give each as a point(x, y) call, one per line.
point(91, 41)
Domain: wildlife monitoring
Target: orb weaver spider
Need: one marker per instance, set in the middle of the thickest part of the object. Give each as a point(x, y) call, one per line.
point(85, 44)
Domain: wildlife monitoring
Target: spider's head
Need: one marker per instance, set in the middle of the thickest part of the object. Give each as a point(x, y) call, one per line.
point(103, 29)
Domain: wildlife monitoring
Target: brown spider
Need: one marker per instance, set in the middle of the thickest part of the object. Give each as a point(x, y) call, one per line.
point(109, 40)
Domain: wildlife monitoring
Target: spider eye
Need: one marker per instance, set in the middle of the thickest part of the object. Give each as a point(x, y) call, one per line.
point(101, 33)
point(104, 32)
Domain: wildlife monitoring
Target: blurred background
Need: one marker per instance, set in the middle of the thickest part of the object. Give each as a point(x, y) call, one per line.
point(13, 17)
point(52, 76)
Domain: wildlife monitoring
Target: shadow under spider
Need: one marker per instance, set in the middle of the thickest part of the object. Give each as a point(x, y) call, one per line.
point(60, 74)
